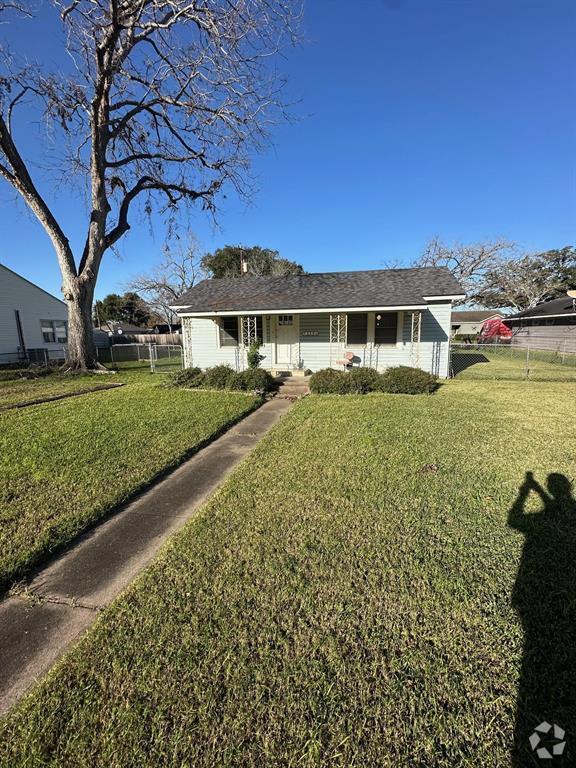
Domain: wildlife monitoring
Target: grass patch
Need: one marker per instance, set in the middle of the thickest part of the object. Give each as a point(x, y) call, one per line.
point(64, 465)
point(510, 363)
point(344, 600)
point(23, 390)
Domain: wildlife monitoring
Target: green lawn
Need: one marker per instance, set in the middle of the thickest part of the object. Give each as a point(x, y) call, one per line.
point(347, 599)
point(25, 390)
point(64, 464)
point(512, 363)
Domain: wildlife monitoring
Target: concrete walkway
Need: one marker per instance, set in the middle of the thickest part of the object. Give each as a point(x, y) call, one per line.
point(63, 599)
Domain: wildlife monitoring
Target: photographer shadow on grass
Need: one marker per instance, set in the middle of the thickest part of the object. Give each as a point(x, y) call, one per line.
point(544, 596)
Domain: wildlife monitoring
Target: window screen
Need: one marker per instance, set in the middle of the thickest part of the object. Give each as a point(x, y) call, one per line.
point(385, 327)
point(48, 331)
point(61, 332)
point(357, 328)
point(229, 332)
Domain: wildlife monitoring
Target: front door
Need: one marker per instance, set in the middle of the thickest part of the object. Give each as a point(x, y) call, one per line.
point(285, 337)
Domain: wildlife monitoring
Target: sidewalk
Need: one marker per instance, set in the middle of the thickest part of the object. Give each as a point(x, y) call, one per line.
point(63, 599)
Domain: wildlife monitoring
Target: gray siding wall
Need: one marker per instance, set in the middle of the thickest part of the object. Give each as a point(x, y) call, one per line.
point(316, 351)
point(34, 305)
point(556, 338)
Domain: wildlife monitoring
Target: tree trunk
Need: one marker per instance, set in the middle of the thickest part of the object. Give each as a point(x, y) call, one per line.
point(81, 347)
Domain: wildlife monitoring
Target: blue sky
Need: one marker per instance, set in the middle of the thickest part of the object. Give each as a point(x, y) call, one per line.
point(417, 118)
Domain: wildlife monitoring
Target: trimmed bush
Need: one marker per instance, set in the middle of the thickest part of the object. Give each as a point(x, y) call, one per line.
point(253, 379)
point(218, 377)
point(402, 379)
point(363, 380)
point(224, 377)
point(328, 381)
point(359, 381)
point(186, 378)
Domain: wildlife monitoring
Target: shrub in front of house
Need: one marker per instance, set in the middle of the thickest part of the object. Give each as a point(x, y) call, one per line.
point(328, 381)
point(362, 380)
point(218, 377)
point(186, 378)
point(402, 379)
point(224, 377)
point(359, 381)
point(253, 355)
point(252, 380)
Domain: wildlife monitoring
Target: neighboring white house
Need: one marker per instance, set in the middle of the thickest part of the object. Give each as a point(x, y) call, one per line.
point(33, 323)
point(307, 322)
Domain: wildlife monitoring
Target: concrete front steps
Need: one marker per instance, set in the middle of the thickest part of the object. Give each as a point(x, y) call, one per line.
point(293, 387)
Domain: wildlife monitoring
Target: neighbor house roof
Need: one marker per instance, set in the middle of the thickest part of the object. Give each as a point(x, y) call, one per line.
point(25, 280)
point(474, 315)
point(554, 308)
point(376, 288)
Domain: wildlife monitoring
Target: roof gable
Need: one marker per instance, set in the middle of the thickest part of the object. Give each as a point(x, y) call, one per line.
point(30, 283)
point(474, 315)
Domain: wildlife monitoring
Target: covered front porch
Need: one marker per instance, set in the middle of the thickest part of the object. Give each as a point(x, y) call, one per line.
point(296, 342)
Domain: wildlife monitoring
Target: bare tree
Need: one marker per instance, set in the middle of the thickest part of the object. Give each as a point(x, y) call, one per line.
point(469, 263)
point(524, 282)
point(163, 106)
point(15, 6)
point(178, 270)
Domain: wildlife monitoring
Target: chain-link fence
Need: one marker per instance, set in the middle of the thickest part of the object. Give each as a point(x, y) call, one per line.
point(33, 356)
point(153, 357)
point(507, 360)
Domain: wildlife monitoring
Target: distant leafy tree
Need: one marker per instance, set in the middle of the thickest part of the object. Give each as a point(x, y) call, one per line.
point(528, 280)
point(228, 262)
point(128, 308)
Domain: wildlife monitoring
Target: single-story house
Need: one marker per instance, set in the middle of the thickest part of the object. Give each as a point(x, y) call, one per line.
point(470, 322)
point(550, 325)
point(33, 323)
point(383, 317)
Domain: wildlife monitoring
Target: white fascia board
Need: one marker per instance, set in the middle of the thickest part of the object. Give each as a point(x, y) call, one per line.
point(451, 297)
point(314, 311)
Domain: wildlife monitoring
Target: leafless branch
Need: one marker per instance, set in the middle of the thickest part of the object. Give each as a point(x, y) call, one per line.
point(165, 102)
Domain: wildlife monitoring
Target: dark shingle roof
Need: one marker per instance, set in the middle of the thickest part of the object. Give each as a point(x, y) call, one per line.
point(562, 306)
point(474, 315)
point(321, 290)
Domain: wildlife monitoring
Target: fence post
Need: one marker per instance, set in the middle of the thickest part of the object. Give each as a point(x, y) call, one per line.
point(152, 362)
point(527, 369)
point(111, 353)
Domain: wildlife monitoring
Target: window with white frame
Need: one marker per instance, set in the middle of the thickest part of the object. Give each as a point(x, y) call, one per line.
point(54, 331)
point(285, 319)
point(338, 325)
point(228, 331)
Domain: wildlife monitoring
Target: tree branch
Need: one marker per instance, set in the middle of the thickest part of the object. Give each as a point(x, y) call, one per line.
point(21, 180)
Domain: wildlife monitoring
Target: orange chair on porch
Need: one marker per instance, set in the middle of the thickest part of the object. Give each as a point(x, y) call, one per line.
point(346, 361)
